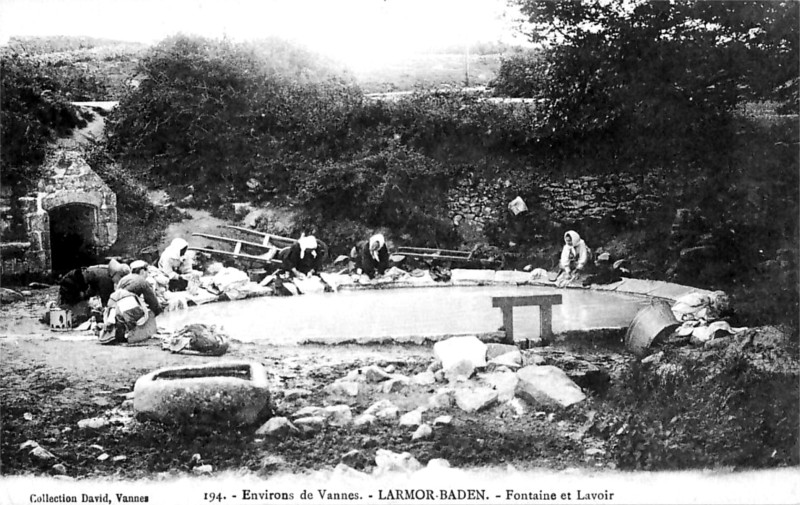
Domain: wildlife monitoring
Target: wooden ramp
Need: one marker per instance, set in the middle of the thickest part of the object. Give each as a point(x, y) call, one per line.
point(267, 239)
point(451, 255)
point(254, 251)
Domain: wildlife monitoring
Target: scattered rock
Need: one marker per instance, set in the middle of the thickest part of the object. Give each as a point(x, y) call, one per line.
point(517, 406)
point(309, 412)
point(547, 385)
point(59, 469)
point(495, 350)
point(93, 422)
point(396, 384)
point(310, 424)
point(439, 376)
point(354, 459)
point(383, 409)
point(390, 369)
point(413, 418)
point(504, 383)
point(460, 370)
point(119, 458)
point(388, 461)
point(364, 419)
point(441, 399)
point(443, 420)
point(511, 360)
point(342, 470)
point(425, 378)
point(338, 415)
point(530, 358)
point(42, 454)
point(343, 388)
point(374, 373)
point(435, 366)
point(474, 400)
point(29, 444)
point(277, 427)
point(422, 432)
point(438, 463)
point(594, 451)
point(103, 457)
point(203, 469)
point(294, 394)
point(457, 349)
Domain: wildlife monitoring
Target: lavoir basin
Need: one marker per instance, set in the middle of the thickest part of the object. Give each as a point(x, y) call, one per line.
point(404, 312)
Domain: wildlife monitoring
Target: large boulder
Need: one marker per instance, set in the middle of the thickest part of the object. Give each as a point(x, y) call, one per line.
point(547, 385)
point(460, 356)
point(475, 399)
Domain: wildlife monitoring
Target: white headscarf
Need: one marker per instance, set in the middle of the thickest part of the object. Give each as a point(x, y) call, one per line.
point(375, 243)
point(307, 242)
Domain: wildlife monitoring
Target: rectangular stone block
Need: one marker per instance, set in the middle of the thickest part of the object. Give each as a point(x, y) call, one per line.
point(467, 275)
point(234, 393)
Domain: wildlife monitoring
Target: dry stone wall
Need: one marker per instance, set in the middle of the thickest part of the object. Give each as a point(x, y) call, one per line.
point(477, 201)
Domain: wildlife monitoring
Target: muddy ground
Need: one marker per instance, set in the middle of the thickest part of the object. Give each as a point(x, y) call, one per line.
point(51, 384)
point(729, 407)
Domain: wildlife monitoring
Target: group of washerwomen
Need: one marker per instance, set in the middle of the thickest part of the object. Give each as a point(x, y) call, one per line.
point(128, 293)
point(130, 305)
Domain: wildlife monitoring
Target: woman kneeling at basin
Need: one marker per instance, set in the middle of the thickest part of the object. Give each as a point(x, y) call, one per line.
point(371, 256)
point(303, 258)
point(132, 309)
point(574, 257)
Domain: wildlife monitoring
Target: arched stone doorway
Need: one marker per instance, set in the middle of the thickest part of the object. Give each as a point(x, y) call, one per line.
point(73, 237)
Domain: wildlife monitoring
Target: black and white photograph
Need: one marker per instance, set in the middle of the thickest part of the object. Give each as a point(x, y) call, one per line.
point(382, 252)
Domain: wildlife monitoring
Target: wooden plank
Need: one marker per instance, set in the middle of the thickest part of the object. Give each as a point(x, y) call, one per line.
point(248, 257)
point(435, 252)
point(521, 301)
point(233, 241)
point(433, 256)
point(267, 237)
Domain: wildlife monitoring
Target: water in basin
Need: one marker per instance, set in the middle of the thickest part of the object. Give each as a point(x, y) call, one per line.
point(404, 312)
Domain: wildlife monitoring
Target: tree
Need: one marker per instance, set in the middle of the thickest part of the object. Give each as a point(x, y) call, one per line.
point(670, 71)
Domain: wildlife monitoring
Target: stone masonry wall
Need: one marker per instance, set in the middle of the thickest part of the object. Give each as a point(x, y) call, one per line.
point(477, 201)
point(67, 180)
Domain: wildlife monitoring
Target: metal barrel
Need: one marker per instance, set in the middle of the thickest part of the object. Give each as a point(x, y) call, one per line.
point(651, 324)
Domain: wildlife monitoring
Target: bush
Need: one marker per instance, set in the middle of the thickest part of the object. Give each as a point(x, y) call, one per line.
point(216, 114)
point(520, 76)
point(739, 416)
point(398, 188)
point(34, 112)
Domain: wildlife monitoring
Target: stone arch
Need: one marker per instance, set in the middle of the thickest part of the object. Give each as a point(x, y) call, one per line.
point(73, 236)
point(91, 198)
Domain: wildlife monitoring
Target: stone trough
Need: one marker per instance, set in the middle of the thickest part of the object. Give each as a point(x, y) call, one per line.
point(234, 393)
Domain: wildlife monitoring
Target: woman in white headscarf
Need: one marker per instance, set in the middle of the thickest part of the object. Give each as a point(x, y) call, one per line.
point(173, 264)
point(304, 257)
point(371, 256)
point(574, 257)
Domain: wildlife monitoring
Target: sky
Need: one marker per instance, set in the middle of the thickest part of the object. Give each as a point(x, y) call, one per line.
point(354, 31)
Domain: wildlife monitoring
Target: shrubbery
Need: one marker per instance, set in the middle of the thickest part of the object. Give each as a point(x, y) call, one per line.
point(686, 417)
point(34, 112)
point(397, 188)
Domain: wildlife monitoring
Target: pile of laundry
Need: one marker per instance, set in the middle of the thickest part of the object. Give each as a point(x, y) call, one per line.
point(701, 317)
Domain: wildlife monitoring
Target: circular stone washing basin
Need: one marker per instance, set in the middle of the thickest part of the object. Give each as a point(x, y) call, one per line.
point(405, 312)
